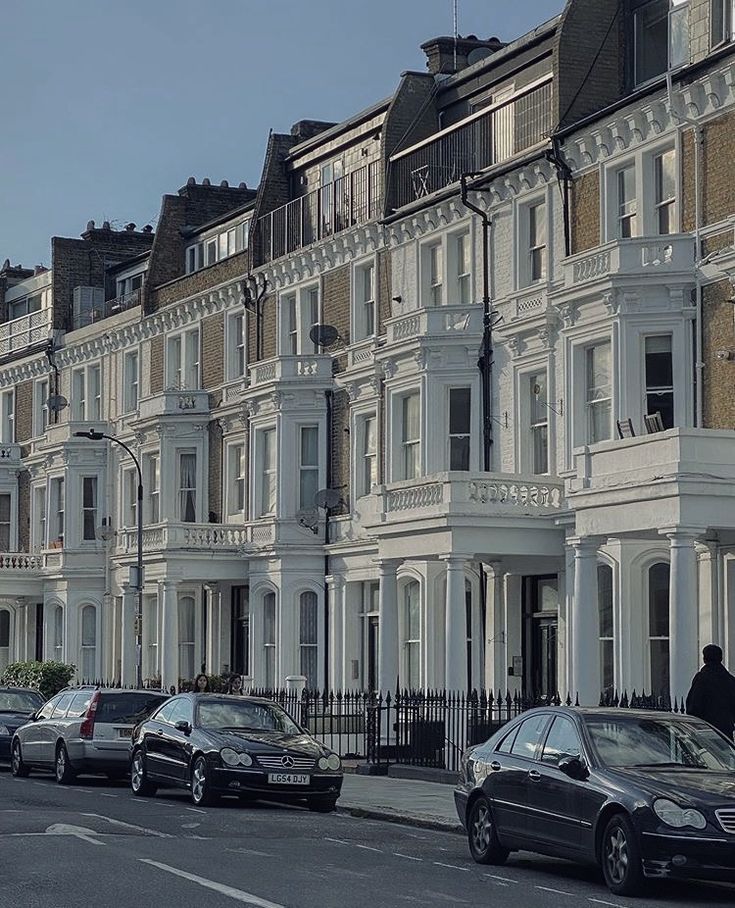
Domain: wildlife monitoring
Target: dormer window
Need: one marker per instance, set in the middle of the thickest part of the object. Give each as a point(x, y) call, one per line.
point(215, 247)
point(722, 21)
point(661, 37)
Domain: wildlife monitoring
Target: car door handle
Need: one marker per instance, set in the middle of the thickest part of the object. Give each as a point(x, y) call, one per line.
point(534, 776)
point(159, 731)
point(495, 766)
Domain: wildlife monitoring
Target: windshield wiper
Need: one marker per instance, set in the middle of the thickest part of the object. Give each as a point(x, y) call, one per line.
point(666, 766)
point(244, 728)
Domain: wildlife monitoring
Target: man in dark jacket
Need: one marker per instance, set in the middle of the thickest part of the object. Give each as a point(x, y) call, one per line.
point(712, 695)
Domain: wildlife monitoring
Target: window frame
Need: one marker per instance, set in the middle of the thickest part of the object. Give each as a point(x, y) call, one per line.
point(590, 401)
point(650, 638)
point(183, 490)
point(727, 16)
point(9, 523)
point(451, 436)
point(86, 384)
point(89, 512)
point(270, 642)
point(646, 202)
point(236, 493)
point(412, 644)
point(364, 309)
point(40, 406)
point(182, 372)
point(528, 245)
point(152, 484)
point(131, 380)
point(309, 649)
point(409, 444)
point(296, 318)
point(366, 462)
point(7, 417)
point(265, 472)
point(536, 425)
point(654, 390)
point(237, 346)
point(307, 469)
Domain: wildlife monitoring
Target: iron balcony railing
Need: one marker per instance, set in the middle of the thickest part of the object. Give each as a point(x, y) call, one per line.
point(490, 136)
point(350, 200)
point(88, 316)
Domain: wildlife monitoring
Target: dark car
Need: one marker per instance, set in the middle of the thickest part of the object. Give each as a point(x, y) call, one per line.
point(216, 744)
point(17, 704)
point(641, 794)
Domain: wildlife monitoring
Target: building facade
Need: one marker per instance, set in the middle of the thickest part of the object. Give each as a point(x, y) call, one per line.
point(337, 482)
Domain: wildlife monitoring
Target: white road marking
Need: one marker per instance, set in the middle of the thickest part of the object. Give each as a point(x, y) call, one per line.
point(144, 829)
point(502, 879)
point(195, 810)
point(336, 841)
point(238, 895)
point(601, 902)
point(451, 866)
point(190, 825)
point(408, 857)
point(258, 854)
point(555, 891)
point(106, 794)
point(78, 832)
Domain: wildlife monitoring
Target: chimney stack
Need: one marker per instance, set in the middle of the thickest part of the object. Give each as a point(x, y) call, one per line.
point(440, 52)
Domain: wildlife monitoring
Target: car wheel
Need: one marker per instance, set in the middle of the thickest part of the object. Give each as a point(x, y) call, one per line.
point(620, 856)
point(139, 783)
point(482, 836)
point(17, 766)
point(64, 771)
point(201, 794)
point(319, 805)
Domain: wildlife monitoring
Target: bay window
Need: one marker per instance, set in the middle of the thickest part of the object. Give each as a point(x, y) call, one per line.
point(664, 174)
point(39, 518)
point(86, 384)
point(182, 361)
point(598, 391)
point(153, 491)
point(627, 203)
point(410, 424)
point(434, 257)
point(367, 467)
point(187, 486)
point(539, 423)
point(56, 512)
point(364, 308)
point(236, 480)
point(299, 313)
point(130, 498)
point(460, 418)
point(659, 371)
point(267, 468)
point(269, 640)
point(308, 467)
point(89, 508)
point(5, 510)
point(308, 641)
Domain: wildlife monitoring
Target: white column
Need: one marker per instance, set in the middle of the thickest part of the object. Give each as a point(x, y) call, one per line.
point(168, 600)
point(585, 620)
point(683, 613)
point(71, 634)
point(478, 634)
point(709, 584)
point(352, 634)
point(336, 592)
point(496, 674)
point(455, 617)
point(212, 656)
point(727, 609)
point(513, 619)
point(388, 642)
point(127, 656)
point(21, 629)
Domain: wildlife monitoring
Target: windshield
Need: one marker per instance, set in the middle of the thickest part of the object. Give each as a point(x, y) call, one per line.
point(19, 701)
point(676, 742)
point(244, 715)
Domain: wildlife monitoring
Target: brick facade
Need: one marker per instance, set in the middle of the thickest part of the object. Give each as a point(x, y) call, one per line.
point(215, 472)
point(23, 411)
point(156, 365)
point(585, 212)
point(213, 351)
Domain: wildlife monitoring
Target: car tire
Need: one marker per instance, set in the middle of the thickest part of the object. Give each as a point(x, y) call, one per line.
point(201, 793)
point(140, 785)
point(620, 857)
point(482, 836)
point(64, 771)
point(319, 805)
point(17, 767)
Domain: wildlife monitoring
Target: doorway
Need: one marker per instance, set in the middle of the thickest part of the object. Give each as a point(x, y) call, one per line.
point(240, 629)
point(541, 637)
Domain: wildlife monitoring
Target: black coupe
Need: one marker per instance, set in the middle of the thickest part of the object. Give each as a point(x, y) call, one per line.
point(216, 744)
point(641, 794)
point(17, 705)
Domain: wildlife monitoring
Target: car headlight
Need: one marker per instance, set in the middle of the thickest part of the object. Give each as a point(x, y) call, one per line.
point(4, 730)
point(678, 817)
point(231, 757)
point(333, 762)
point(323, 763)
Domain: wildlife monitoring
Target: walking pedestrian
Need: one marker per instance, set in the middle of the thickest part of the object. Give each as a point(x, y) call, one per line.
point(712, 695)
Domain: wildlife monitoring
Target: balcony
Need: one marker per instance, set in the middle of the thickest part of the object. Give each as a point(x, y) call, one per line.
point(491, 136)
point(436, 322)
point(681, 477)
point(205, 538)
point(174, 403)
point(27, 331)
point(89, 316)
point(346, 202)
point(644, 258)
point(9, 456)
point(314, 367)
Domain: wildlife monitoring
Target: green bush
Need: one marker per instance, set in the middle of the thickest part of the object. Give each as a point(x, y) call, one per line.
point(47, 677)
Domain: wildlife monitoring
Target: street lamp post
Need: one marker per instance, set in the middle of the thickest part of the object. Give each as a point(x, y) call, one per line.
point(98, 436)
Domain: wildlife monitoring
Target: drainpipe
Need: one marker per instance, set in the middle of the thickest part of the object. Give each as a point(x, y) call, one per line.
point(564, 178)
point(699, 344)
point(329, 398)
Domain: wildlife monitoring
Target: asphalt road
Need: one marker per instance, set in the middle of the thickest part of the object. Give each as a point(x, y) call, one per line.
point(95, 844)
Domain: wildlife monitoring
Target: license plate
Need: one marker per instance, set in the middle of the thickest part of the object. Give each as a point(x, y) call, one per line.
point(125, 732)
point(287, 778)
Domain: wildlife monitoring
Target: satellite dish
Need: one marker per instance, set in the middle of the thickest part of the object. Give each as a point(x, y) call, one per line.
point(57, 402)
point(323, 335)
point(479, 53)
point(327, 499)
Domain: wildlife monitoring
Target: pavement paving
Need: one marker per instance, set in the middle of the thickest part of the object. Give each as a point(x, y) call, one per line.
point(93, 843)
point(427, 805)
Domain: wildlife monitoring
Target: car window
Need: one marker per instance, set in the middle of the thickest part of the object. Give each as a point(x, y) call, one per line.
point(48, 708)
point(528, 737)
point(62, 706)
point(22, 701)
point(79, 704)
point(562, 741)
point(164, 715)
point(507, 743)
point(126, 707)
point(182, 711)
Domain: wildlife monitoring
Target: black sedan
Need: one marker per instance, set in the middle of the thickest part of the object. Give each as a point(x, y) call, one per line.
point(215, 744)
point(641, 794)
point(17, 705)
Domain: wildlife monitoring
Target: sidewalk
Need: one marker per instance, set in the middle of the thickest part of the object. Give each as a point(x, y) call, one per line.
point(413, 803)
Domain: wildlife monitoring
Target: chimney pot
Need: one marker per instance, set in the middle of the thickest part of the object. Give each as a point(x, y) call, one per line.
point(206, 182)
point(147, 229)
point(242, 185)
point(90, 225)
point(224, 183)
point(191, 181)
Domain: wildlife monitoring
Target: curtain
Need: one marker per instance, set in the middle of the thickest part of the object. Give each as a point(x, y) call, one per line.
point(187, 486)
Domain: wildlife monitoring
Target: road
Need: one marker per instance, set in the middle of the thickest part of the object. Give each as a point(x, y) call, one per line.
point(95, 844)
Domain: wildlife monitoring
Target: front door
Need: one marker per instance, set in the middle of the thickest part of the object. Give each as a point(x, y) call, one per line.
point(240, 655)
point(541, 637)
point(372, 652)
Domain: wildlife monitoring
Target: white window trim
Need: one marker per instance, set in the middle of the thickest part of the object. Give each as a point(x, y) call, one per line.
point(40, 406)
point(233, 344)
point(39, 517)
point(728, 8)
point(7, 415)
point(87, 407)
point(236, 236)
point(396, 443)
point(359, 420)
point(304, 345)
point(450, 277)
point(179, 373)
point(128, 384)
point(11, 491)
point(459, 386)
point(128, 497)
point(358, 320)
point(522, 262)
point(149, 492)
point(307, 468)
point(234, 514)
point(257, 470)
point(97, 509)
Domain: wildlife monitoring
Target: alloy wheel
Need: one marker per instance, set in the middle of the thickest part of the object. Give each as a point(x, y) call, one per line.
point(482, 829)
point(60, 764)
point(616, 855)
point(137, 773)
point(198, 781)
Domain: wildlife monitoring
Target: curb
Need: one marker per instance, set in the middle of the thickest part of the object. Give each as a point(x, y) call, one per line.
point(368, 813)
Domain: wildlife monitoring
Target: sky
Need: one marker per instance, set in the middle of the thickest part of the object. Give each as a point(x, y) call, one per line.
point(105, 105)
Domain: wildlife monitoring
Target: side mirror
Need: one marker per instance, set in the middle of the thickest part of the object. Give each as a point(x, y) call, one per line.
point(574, 767)
point(183, 725)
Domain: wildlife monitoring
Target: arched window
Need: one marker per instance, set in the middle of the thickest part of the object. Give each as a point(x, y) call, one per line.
point(412, 634)
point(607, 631)
point(88, 653)
point(269, 640)
point(308, 648)
point(187, 634)
point(658, 627)
point(58, 633)
point(4, 639)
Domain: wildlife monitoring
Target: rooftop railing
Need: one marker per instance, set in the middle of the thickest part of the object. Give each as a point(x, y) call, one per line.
point(350, 200)
point(89, 316)
point(24, 332)
point(490, 136)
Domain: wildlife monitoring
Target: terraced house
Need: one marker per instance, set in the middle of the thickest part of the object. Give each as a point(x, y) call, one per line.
point(445, 402)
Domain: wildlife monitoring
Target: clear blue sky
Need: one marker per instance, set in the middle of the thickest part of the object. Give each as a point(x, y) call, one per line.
point(107, 104)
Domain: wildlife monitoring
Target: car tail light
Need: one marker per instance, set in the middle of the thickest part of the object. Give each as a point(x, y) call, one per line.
point(87, 729)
